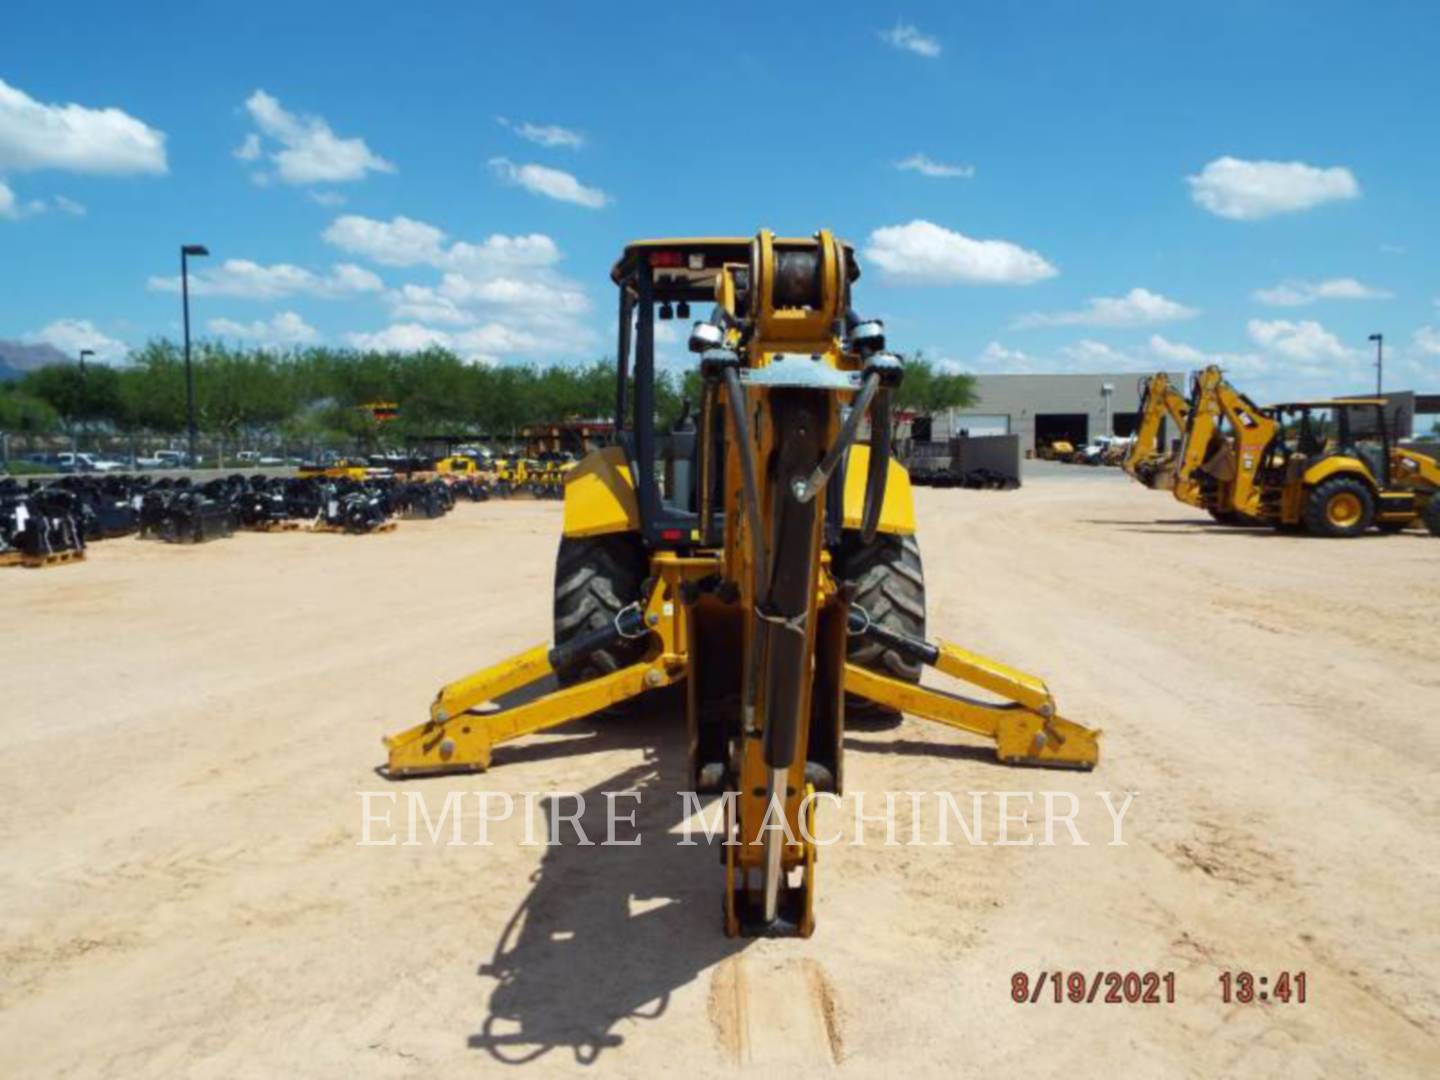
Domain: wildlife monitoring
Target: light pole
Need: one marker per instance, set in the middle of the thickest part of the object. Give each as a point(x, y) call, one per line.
point(187, 250)
point(75, 435)
point(1379, 340)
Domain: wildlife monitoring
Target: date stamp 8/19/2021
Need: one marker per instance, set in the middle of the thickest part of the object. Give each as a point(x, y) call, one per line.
point(1151, 987)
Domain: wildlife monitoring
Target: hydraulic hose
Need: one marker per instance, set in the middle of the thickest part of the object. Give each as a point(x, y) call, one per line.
point(815, 482)
point(879, 465)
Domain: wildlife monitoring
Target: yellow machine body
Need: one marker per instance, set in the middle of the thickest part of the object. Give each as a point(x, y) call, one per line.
point(1245, 464)
point(600, 495)
point(747, 608)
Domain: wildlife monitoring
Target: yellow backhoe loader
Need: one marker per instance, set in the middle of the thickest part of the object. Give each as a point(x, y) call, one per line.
point(1148, 458)
point(1332, 467)
point(774, 571)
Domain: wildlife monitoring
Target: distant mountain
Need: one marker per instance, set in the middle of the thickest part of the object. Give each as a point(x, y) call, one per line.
point(16, 358)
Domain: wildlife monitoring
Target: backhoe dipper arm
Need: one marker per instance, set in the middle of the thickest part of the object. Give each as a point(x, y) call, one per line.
point(1159, 401)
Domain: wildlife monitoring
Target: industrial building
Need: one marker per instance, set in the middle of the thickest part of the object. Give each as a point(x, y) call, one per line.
point(1044, 408)
point(1079, 408)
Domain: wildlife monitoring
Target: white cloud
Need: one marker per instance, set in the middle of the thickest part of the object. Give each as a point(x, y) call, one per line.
point(1176, 352)
point(501, 254)
point(907, 37)
point(1306, 340)
point(401, 337)
point(551, 183)
point(249, 150)
point(482, 345)
point(248, 280)
point(403, 241)
point(1088, 355)
point(13, 209)
point(504, 288)
point(1138, 307)
point(72, 335)
point(75, 138)
point(326, 198)
point(400, 241)
point(926, 166)
point(1097, 356)
point(547, 135)
point(423, 304)
point(923, 253)
point(310, 152)
point(551, 295)
point(1081, 356)
point(1427, 340)
point(1297, 293)
point(998, 358)
point(285, 330)
point(1249, 190)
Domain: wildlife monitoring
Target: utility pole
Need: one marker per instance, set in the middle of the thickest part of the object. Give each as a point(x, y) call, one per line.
point(1379, 340)
point(75, 431)
point(186, 250)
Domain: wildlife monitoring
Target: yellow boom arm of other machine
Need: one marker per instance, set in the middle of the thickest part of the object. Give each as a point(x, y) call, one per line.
point(1147, 457)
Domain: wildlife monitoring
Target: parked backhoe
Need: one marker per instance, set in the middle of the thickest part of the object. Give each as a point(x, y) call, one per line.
point(774, 572)
point(1332, 467)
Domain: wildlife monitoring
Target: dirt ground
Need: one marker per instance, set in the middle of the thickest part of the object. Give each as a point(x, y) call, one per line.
point(182, 892)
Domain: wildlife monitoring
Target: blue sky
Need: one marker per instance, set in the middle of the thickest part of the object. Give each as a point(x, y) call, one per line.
point(1039, 186)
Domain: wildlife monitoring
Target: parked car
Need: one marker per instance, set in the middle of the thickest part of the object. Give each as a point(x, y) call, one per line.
point(173, 459)
point(72, 463)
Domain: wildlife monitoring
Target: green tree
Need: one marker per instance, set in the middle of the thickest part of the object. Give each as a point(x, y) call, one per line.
point(23, 413)
point(927, 391)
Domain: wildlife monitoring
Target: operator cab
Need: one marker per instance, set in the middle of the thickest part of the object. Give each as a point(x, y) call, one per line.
point(1357, 427)
point(664, 280)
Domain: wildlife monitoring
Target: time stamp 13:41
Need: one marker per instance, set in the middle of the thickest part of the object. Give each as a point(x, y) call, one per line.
point(1150, 987)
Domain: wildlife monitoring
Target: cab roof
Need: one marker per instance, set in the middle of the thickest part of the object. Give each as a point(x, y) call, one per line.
point(715, 250)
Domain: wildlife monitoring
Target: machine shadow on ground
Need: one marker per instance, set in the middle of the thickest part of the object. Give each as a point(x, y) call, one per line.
point(607, 933)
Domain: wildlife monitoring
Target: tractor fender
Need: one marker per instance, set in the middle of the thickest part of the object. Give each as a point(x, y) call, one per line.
point(1339, 464)
point(600, 495)
point(897, 514)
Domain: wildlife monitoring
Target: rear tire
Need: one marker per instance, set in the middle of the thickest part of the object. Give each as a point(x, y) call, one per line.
point(1339, 507)
point(1431, 514)
point(596, 577)
point(890, 586)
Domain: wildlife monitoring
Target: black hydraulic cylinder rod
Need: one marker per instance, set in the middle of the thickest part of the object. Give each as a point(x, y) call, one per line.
point(879, 465)
point(792, 587)
point(859, 625)
point(629, 623)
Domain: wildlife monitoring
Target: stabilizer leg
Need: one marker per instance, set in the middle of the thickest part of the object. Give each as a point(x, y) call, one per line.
point(455, 739)
point(1021, 736)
